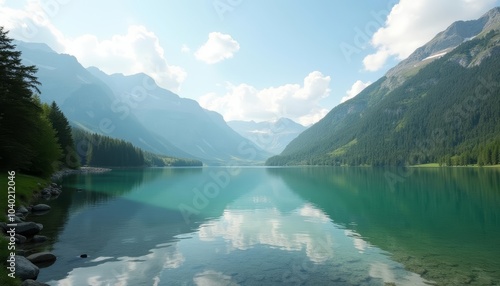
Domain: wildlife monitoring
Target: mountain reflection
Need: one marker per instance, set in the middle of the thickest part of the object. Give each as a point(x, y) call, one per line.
point(299, 226)
point(443, 223)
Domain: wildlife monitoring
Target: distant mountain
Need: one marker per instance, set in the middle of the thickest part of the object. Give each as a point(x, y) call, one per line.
point(183, 122)
point(442, 104)
point(272, 136)
point(87, 101)
point(135, 109)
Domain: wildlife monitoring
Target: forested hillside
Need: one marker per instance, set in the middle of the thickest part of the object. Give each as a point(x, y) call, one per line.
point(33, 136)
point(448, 112)
point(103, 151)
point(36, 138)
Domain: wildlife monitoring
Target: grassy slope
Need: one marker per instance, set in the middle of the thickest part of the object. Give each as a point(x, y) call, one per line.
point(26, 186)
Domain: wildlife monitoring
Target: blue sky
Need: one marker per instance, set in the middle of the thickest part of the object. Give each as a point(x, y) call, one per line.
point(248, 60)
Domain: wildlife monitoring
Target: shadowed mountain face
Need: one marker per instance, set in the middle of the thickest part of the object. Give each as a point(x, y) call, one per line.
point(272, 136)
point(135, 109)
point(198, 131)
point(441, 104)
point(86, 101)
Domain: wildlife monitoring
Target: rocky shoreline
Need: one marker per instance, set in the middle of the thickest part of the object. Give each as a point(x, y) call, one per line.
point(27, 232)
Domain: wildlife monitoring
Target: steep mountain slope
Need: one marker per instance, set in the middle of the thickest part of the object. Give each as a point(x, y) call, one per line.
point(86, 101)
point(447, 109)
point(272, 136)
point(135, 109)
point(198, 131)
point(458, 33)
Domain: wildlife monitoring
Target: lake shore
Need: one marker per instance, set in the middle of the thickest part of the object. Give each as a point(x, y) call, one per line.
point(83, 170)
point(38, 194)
point(436, 165)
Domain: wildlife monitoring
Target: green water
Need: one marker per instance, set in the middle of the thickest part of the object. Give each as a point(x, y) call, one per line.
point(268, 226)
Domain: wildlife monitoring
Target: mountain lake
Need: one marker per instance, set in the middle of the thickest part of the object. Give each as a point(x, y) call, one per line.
point(270, 226)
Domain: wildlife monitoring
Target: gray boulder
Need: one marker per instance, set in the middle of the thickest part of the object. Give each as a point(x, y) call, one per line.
point(42, 257)
point(16, 219)
point(40, 208)
point(25, 269)
point(20, 239)
point(27, 228)
point(31, 282)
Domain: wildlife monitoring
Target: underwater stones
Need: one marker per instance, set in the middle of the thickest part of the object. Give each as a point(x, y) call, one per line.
point(40, 208)
point(41, 257)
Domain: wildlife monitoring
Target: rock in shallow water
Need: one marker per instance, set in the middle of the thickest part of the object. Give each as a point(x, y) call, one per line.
point(31, 282)
point(42, 257)
point(40, 208)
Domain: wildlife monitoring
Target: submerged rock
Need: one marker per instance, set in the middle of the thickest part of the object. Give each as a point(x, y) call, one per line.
point(40, 208)
point(25, 269)
point(42, 257)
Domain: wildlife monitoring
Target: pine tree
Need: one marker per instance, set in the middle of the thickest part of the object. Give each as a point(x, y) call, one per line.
point(19, 112)
point(64, 136)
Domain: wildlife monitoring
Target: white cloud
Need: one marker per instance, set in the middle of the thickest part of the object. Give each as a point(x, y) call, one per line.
point(411, 24)
point(31, 24)
point(218, 47)
point(136, 51)
point(295, 101)
point(356, 88)
point(268, 226)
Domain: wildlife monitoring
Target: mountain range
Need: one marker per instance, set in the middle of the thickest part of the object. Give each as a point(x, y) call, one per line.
point(136, 109)
point(441, 104)
point(271, 136)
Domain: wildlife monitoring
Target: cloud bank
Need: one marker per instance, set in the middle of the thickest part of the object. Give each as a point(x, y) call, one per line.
point(299, 102)
point(411, 24)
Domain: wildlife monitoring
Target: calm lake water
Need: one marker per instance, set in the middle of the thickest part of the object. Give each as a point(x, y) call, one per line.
point(267, 226)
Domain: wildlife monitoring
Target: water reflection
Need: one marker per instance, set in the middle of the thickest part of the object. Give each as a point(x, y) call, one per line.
point(303, 226)
point(441, 223)
point(245, 230)
point(257, 231)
